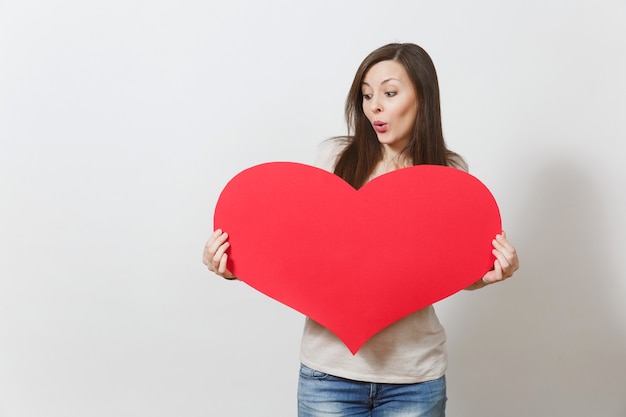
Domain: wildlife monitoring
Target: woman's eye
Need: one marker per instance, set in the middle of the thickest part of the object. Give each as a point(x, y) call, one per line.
point(367, 96)
point(390, 93)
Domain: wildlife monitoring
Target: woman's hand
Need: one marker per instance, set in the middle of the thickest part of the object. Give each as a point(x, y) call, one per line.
point(215, 256)
point(506, 262)
point(504, 266)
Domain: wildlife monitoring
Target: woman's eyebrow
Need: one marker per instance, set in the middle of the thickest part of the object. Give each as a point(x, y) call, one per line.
point(382, 82)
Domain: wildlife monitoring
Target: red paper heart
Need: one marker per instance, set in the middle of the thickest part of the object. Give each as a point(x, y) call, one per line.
point(357, 261)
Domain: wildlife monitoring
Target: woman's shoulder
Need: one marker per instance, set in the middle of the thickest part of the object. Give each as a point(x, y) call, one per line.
point(455, 160)
point(328, 152)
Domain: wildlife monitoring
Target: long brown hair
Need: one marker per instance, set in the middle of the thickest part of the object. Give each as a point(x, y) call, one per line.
point(363, 150)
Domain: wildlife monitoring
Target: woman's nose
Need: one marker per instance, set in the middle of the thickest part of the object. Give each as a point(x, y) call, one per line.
point(375, 106)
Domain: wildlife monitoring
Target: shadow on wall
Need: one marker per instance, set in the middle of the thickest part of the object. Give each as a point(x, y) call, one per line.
point(546, 342)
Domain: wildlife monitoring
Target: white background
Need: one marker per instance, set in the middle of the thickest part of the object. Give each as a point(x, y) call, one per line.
point(121, 121)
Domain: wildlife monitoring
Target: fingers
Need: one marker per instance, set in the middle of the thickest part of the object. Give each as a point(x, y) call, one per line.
point(494, 275)
point(218, 255)
point(219, 264)
point(216, 239)
point(209, 249)
point(506, 255)
point(506, 262)
point(214, 249)
point(214, 255)
point(222, 269)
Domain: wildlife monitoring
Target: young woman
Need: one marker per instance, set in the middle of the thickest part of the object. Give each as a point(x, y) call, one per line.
point(394, 121)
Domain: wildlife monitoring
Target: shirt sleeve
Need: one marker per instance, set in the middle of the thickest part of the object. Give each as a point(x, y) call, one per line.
point(327, 153)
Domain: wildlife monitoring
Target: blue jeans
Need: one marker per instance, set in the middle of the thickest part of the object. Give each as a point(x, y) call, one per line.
point(321, 394)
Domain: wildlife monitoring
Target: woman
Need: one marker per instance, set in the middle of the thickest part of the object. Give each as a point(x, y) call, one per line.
point(394, 120)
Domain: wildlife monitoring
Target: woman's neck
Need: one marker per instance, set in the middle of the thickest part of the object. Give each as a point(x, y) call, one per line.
point(390, 162)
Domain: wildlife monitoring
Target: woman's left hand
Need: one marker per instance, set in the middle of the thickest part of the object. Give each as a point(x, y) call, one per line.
point(506, 262)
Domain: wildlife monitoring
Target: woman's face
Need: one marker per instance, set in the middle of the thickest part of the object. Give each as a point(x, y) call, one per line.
point(390, 103)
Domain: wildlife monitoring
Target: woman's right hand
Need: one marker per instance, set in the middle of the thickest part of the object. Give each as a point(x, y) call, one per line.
point(215, 256)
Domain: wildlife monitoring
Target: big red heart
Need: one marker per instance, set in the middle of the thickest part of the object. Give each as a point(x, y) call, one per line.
point(357, 261)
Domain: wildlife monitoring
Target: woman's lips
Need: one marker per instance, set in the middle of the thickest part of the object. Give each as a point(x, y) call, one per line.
point(380, 127)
